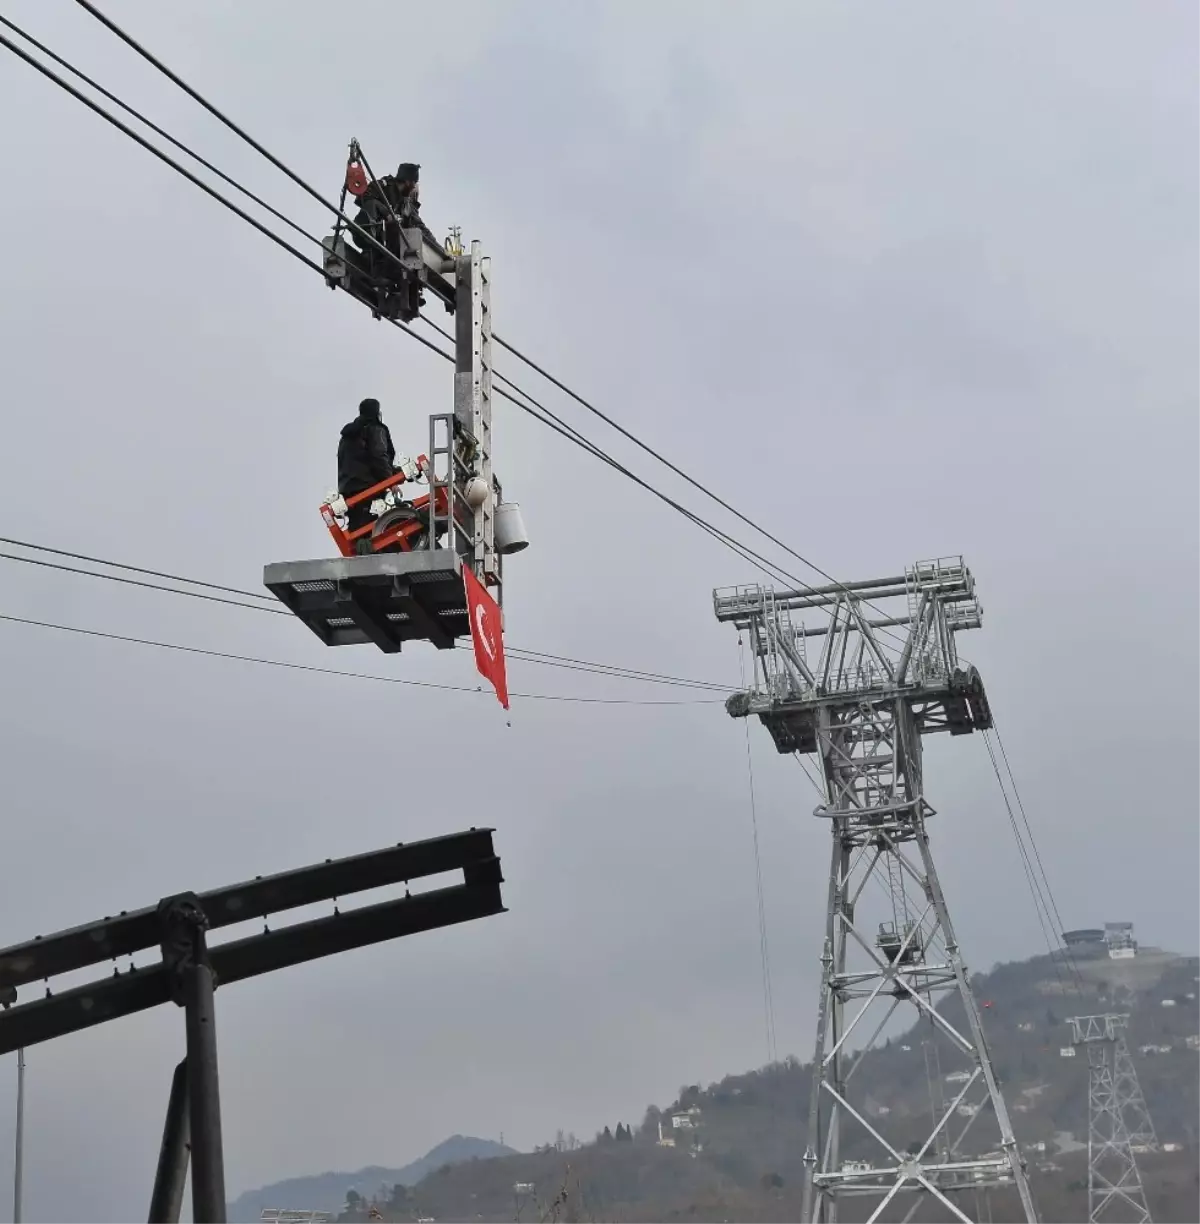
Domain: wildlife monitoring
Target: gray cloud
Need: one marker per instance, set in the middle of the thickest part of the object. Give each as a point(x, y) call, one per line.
point(899, 284)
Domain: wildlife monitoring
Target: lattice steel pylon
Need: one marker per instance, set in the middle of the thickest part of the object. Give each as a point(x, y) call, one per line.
point(1134, 1109)
point(862, 712)
point(1118, 1121)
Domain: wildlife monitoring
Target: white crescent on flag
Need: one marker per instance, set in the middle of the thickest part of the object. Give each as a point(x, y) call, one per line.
point(481, 625)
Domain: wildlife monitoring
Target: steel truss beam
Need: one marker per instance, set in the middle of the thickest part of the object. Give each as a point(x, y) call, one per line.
point(189, 971)
point(861, 707)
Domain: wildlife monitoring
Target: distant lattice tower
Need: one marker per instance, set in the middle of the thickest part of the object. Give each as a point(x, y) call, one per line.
point(862, 707)
point(1119, 1123)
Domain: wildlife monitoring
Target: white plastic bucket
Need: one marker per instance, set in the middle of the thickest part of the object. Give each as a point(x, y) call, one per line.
point(510, 529)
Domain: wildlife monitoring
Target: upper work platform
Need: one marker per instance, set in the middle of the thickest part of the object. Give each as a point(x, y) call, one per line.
point(874, 643)
point(387, 599)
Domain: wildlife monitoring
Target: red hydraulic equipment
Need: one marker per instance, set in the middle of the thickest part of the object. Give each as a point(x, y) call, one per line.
point(400, 527)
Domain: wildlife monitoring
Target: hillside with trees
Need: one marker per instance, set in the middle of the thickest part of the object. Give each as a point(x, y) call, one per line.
point(732, 1150)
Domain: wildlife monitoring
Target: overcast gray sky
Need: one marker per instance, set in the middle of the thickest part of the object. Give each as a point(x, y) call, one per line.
point(902, 281)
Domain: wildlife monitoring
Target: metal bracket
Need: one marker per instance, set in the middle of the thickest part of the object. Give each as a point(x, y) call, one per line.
point(183, 923)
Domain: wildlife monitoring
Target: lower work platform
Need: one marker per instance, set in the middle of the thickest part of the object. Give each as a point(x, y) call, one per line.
point(387, 599)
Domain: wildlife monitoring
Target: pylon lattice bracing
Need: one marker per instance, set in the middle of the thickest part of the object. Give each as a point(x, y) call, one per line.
point(862, 711)
point(1118, 1122)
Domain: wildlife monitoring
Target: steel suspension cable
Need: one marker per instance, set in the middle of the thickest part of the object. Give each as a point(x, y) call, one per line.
point(549, 419)
point(330, 671)
point(146, 54)
point(269, 604)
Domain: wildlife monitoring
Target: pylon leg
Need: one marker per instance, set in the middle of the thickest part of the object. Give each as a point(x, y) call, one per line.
point(882, 864)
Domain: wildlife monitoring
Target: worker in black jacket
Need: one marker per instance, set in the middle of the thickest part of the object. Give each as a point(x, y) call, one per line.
point(389, 205)
point(365, 457)
point(392, 199)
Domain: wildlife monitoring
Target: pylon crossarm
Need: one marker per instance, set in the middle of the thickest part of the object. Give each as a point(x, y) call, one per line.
point(915, 979)
point(933, 977)
point(999, 1167)
point(893, 819)
point(854, 1177)
point(849, 991)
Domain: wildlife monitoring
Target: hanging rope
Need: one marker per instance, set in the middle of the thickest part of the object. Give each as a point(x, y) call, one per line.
point(764, 950)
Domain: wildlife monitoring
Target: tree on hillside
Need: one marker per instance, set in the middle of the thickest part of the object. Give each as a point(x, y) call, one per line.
point(606, 1136)
point(689, 1095)
point(624, 1134)
point(650, 1122)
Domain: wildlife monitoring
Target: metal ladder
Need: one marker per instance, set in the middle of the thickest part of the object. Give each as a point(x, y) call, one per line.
point(473, 398)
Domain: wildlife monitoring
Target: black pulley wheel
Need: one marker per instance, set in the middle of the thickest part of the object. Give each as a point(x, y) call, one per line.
point(391, 519)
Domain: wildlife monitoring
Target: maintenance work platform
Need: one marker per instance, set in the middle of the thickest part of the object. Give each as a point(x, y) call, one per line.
point(419, 569)
point(790, 692)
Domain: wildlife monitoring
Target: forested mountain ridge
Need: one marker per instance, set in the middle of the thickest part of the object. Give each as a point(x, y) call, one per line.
point(734, 1147)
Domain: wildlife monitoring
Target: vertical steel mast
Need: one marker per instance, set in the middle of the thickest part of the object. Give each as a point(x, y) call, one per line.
point(858, 692)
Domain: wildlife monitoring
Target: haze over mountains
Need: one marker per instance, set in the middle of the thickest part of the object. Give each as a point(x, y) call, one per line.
point(738, 1154)
point(327, 1191)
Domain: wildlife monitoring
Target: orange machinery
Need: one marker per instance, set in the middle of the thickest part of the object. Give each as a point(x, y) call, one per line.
point(397, 528)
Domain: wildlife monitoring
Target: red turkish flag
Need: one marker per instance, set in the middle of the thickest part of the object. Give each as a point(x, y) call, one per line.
point(487, 634)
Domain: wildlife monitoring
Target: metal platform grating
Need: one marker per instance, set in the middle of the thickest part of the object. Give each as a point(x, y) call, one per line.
point(387, 599)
